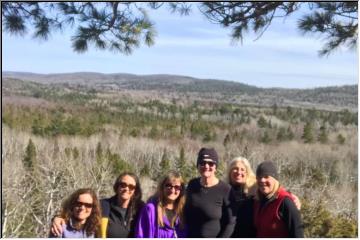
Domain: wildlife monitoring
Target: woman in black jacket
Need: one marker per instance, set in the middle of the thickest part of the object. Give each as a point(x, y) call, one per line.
point(243, 182)
point(119, 212)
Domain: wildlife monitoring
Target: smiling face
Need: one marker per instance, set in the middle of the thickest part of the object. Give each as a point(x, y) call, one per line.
point(207, 168)
point(266, 184)
point(238, 174)
point(83, 207)
point(172, 189)
point(126, 188)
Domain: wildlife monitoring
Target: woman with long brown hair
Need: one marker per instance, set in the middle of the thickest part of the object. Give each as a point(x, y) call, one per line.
point(119, 212)
point(81, 214)
point(162, 216)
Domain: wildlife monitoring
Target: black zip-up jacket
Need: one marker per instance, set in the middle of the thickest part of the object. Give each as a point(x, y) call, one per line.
point(244, 205)
point(120, 225)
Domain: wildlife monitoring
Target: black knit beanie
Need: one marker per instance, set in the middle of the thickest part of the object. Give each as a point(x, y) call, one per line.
point(207, 153)
point(267, 168)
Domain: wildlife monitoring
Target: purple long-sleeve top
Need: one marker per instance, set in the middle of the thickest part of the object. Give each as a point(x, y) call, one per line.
point(147, 226)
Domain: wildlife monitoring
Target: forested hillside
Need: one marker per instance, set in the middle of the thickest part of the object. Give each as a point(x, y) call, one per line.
point(173, 86)
point(63, 132)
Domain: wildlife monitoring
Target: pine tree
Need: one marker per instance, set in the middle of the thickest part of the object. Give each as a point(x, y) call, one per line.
point(182, 167)
point(340, 139)
point(275, 108)
point(181, 162)
point(99, 153)
point(290, 135)
point(308, 133)
point(164, 163)
point(323, 136)
point(226, 140)
point(75, 153)
point(262, 122)
point(281, 135)
point(145, 171)
point(154, 132)
point(265, 138)
point(30, 155)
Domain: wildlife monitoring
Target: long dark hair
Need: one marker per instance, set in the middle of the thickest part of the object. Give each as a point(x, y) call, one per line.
point(135, 202)
point(92, 223)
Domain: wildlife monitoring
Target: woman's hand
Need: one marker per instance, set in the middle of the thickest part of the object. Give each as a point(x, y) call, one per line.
point(56, 226)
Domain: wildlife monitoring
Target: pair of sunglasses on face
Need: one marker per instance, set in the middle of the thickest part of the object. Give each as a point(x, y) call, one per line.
point(203, 163)
point(170, 187)
point(123, 185)
point(79, 204)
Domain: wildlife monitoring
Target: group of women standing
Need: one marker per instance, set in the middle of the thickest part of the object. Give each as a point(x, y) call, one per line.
point(248, 206)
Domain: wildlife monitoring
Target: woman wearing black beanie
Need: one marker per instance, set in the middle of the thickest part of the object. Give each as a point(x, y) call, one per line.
point(275, 214)
point(208, 209)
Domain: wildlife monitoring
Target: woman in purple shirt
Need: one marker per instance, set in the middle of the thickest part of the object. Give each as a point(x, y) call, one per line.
point(162, 216)
point(81, 212)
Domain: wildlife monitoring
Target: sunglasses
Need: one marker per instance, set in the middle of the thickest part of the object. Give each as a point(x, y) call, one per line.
point(123, 185)
point(203, 163)
point(176, 187)
point(86, 205)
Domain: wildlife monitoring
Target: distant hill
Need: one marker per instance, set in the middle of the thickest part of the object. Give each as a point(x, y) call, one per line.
point(220, 90)
point(134, 82)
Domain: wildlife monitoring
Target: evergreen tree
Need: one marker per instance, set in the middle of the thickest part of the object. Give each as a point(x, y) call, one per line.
point(308, 133)
point(262, 122)
point(242, 119)
point(265, 138)
point(115, 26)
point(75, 153)
point(323, 136)
point(226, 140)
point(181, 161)
point(290, 135)
point(38, 127)
point(340, 139)
point(164, 163)
point(122, 26)
point(335, 21)
point(281, 135)
point(30, 156)
point(119, 164)
point(145, 171)
point(186, 171)
point(275, 108)
point(319, 222)
point(154, 132)
point(99, 153)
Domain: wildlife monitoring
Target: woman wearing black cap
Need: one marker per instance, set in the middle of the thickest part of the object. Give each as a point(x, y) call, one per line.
point(243, 183)
point(275, 214)
point(208, 209)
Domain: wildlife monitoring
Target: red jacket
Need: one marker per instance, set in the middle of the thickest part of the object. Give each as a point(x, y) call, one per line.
point(267, 220)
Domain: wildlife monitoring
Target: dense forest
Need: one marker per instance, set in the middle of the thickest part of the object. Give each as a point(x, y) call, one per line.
point(62, 135)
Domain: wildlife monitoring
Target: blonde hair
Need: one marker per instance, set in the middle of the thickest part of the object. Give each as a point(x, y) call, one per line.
point(178, 204)
point(274, 191)
point(250, 186)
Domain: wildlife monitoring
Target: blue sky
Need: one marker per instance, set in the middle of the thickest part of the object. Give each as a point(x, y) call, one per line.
point(192, 46)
